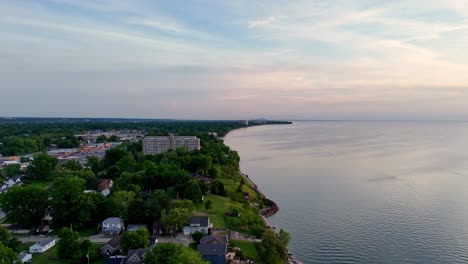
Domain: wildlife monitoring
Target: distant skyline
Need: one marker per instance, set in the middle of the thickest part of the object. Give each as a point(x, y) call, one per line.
point(198, 59)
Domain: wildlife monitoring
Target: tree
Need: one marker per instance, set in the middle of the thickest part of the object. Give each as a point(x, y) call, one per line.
point(170, 253)
point(197, 236)
point(101, 139)
point(121, 201)
point(68, 243)
point(274, 246)
point(208, 205)
point(192, 191)
point(94, 164)
point(11, 170)
point(71, 247)
point(175, 219)
point(217, 187)
point(114, 138)
point(71, 205)
point(7, 239)
point(25, 205)
point(7, 255)
point(134, 239)
point(73, 165)
point(42, 166)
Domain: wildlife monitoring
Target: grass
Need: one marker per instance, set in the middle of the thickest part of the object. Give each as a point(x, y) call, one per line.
point(88, 232)
point(220, 205)
point(50, 256)
point(37, 182)
point(248, 249)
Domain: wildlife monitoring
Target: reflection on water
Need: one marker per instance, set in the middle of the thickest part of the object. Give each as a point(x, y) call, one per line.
point(364, 192)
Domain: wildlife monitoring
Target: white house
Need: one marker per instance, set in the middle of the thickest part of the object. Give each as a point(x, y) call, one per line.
point(112, 226)
point(198, 223)
point(42, 246)
point(24, 257)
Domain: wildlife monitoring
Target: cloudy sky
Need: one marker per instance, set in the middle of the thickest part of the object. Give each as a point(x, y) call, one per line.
point(200, 59)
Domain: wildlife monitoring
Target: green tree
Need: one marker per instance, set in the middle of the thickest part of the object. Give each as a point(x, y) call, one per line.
point(134, 240)
point(71, 205)
point(121, 201)
point(208, 205)
point(175, 219)
point(68, 244)
point(170, 253)
point(101, 139)
point(94, 164)
point(11, 170)
point(192, 191)
point(114, 138)
point(42, 166)
point(8, 239)
point(25, 205)
point(73, 165)
point(7, 255)
point(217, 187)
point(197, 236)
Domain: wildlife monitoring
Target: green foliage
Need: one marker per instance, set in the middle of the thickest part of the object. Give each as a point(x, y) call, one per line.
point(101, 139)
point(192, 191)
point(170, 253)
point(11, 170)
point(7, 255)
point(134, 240)
point(71, 205)
point(175, 219)
point(274, 246)
point(73, 165)
point(121, 201)
point(71, 247)
point(217, 187)
point(7, 239)
point(42, 166)
point(208, 205)
point(25, 205)
point(197, 236)
point(68, 243)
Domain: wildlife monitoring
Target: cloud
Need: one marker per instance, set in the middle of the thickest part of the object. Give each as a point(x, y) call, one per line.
point(261, 22)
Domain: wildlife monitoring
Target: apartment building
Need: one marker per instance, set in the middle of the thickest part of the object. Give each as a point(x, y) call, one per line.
point(157, 145)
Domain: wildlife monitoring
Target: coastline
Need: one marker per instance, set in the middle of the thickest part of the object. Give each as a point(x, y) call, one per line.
point(270, 208)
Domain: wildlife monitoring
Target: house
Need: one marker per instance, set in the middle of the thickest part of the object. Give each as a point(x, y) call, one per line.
point(13, 181)
point(213, 253)
point(111, 247)
point(136, 256)
point(104, 185)
point(213, 239)
point(112, 226)
point(116, 260)
point(42, 245)
point(24, 257)
point(198, 223)
point(42, 229)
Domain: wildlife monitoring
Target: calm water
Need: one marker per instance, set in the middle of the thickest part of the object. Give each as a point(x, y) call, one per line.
point(364, 192)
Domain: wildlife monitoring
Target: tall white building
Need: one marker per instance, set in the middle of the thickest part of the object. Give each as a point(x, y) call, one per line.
point(157, 145)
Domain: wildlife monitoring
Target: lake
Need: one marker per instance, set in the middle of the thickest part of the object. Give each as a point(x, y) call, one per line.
point(364, 192)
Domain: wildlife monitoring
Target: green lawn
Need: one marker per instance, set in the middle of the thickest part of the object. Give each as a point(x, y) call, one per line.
point(37, 182)
point(50, 256)
point(219, 206)
point(248, 249)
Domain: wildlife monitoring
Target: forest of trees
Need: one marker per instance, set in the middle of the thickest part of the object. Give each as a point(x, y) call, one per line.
point(146, 188)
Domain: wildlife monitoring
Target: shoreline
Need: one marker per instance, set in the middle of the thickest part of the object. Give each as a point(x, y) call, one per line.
point(269, 210)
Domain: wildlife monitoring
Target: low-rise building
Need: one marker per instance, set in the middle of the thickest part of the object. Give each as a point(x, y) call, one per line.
point(136, 256)
point(42, 246)
point(24, 257)
point(197, 224)
point(112, 226)
point(111, 247)
point(213, 253)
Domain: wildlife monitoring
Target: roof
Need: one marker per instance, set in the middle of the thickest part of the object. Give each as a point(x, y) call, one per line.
point(114, 242)
point(116, 260)
point(45, 241)
point(139, 252)
point(23, 254)
point(213, 240)
point(102, 184)
point(199, 220)
point(212, 249)
point(113, 220)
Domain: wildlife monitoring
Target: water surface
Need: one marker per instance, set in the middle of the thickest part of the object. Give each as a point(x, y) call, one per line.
point(364, 192)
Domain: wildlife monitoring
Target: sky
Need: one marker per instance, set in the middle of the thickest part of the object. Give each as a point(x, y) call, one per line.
point(236, 59)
